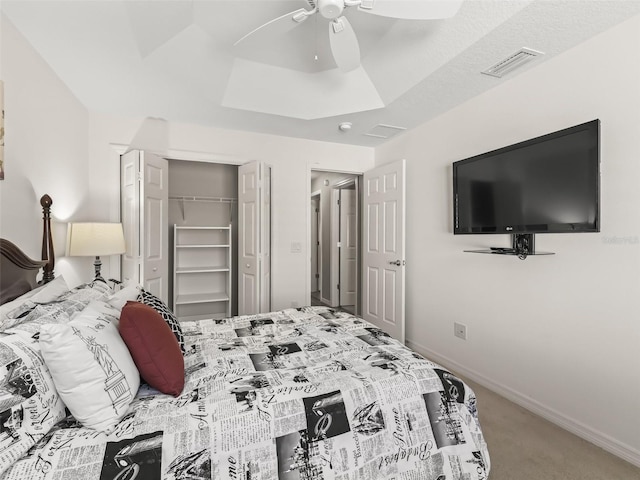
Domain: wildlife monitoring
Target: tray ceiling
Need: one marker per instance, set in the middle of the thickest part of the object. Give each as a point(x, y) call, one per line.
point(176, 60)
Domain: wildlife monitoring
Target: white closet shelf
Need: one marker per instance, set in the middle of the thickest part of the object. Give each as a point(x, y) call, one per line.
point(205, 269)
point(183, 227)
point(184, 199)
point(201, 298)
point(208, 245)
point(187, 198)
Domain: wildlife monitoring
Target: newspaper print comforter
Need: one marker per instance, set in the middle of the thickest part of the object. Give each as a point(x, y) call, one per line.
point(298, 394)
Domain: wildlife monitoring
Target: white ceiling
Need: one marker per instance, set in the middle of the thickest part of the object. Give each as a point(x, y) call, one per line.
point(176, 60)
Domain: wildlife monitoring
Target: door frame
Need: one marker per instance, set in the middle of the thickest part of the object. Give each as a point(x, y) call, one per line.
point(333, 295)
point(318, 247)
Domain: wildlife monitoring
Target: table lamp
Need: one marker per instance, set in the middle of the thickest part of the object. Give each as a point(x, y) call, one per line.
point(95, 240)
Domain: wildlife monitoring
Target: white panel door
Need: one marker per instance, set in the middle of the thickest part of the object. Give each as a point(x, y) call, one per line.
point(155, 261)
point(130, 214)
point(348, 247)
point(248, 239)
point(383, 295)
point(315, 245)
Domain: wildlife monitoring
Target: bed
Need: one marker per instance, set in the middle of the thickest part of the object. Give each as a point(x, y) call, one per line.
point(306, 393)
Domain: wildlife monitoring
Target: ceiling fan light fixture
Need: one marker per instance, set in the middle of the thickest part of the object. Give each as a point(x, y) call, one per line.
point(342, 38)
point(330, 8)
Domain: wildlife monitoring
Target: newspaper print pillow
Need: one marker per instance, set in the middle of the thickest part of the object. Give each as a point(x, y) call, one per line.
point(31, 315)
point(29, 402)
point(149, 299)
point(45, 293)
point(91, 366)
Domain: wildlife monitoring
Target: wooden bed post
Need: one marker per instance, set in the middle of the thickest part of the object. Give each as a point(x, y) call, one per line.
point(47, 240)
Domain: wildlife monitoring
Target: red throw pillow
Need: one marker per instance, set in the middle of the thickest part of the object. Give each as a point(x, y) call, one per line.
point(153, 347)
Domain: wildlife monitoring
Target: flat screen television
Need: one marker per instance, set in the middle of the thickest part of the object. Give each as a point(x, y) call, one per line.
point(549, 184)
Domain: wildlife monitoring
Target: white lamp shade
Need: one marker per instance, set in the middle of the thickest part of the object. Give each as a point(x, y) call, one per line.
point(95, 239)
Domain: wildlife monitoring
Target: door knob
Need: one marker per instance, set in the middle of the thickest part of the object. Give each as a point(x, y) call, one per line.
point(397, 263)
point(155, 269)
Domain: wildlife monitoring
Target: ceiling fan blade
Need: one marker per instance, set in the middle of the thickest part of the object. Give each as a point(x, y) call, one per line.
point(344, 44)
point(412, 9)
point(280, 25)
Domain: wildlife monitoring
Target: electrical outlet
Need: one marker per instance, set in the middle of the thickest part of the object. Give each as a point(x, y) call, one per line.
point(460, 330)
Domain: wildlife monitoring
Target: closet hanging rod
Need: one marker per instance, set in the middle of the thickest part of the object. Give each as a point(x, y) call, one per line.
point(204, 199)
point(182, 199)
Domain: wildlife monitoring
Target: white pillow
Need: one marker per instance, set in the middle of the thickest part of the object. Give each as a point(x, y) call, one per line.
point(91, 366)
point(50, 291)
point(43, 294)
point(127, 293)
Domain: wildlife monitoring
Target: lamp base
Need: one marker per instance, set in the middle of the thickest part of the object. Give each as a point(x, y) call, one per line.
point(97, 265)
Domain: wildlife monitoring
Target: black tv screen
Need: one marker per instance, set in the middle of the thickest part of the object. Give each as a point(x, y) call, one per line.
point(549, 184)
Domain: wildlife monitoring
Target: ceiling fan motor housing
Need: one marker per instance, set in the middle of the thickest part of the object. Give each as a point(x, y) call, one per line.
point(330, 8)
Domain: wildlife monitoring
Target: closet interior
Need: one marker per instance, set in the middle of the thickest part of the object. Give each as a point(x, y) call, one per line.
point(203, 229)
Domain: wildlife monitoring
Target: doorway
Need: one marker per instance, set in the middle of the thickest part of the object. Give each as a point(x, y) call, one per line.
point(335, 240)
point(180, 223)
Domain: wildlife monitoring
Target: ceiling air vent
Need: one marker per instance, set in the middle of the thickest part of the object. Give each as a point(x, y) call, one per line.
point(384, 131)
point(512, 62)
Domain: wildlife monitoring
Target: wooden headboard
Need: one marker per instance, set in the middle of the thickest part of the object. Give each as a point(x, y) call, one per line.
point(18, 271)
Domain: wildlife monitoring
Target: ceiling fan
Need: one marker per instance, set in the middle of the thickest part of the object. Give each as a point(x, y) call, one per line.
point(342, 38)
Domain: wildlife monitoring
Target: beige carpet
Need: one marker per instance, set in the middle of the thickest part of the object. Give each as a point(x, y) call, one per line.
point(524, 446)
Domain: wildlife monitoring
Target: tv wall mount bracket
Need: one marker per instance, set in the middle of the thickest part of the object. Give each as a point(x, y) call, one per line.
point(522, 246)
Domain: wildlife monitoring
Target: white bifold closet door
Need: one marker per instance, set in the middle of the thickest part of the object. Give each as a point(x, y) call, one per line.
point(144, 203)
point(254, 238)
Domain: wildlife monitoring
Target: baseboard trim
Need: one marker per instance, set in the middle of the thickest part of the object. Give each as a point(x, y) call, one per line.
point(577, 428)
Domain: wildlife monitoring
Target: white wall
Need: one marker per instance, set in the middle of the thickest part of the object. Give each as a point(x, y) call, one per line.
point(291, 159)
point(46, 147)
point(559, 334)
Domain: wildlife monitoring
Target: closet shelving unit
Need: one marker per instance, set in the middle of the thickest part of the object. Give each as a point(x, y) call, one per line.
point(201, 272)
